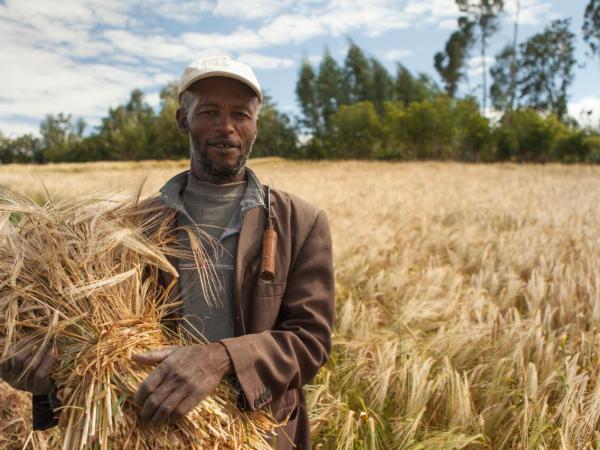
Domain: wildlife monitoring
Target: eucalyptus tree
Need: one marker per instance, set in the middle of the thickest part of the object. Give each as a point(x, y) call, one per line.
point(358, 76)
point(451, 62)
point(546, 64)
point(485, 14)
point(306, 93)
point(591, 26)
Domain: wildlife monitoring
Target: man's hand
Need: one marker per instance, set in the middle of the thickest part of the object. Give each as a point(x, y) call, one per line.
point(30, 371)
point(183, 378)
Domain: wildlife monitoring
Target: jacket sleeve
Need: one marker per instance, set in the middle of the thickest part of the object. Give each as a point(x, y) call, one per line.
point(268, 363)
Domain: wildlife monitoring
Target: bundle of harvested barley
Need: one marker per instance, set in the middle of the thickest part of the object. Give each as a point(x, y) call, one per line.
point(83, 276)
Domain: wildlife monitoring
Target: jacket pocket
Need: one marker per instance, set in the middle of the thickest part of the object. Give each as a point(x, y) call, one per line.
point(269, 289)
point(265, 305)
point(286, 407)
point(286, 411)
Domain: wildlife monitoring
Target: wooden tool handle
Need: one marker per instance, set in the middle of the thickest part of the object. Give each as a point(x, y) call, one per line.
point(267, 267)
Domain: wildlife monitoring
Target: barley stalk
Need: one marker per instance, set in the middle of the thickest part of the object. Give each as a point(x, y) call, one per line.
point(83, 276)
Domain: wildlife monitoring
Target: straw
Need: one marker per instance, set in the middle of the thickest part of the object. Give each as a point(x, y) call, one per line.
point(83, 276)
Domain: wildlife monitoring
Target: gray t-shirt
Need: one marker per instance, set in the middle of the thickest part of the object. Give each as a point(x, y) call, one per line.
point(211, 206)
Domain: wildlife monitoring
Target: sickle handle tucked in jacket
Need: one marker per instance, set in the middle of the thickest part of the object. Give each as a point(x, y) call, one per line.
point(267, 266)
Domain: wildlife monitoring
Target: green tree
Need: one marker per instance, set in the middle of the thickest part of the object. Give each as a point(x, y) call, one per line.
point(591, 26)
point(546, 66)
point(6, 156)
point(383, 85)
point(410, 89)
point(355, 131)
point(128, 132)
point(331, 88)
point(60, 137)
point(473, 133)
point(505, 71)
point(525, 135)
point(358, 76)
point(450, 63)
point(485, 15)
point(306, 93)
point(502, 91)
point(169, 142)
point(22, 149)
point(424, 129)
point(276, 135)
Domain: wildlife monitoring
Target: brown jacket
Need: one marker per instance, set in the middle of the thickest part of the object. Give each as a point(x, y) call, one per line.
point(282, 327)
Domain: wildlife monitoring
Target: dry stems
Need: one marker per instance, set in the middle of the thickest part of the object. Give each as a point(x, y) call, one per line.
point(83, 275)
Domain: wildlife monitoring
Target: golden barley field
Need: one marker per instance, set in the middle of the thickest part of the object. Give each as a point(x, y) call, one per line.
point(468, 299)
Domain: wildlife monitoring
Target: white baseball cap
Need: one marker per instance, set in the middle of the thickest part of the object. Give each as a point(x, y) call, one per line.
point(219, 66)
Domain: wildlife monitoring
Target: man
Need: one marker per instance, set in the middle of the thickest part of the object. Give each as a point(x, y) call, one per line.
point(270, 336)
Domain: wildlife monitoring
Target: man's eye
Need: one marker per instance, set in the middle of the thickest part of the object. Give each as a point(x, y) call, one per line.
point(240, 115)
point(208, 113)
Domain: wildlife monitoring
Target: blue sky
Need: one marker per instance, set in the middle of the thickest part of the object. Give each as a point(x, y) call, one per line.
point(84, 56)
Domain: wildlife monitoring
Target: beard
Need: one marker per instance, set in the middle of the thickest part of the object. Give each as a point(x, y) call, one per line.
point(215, 172)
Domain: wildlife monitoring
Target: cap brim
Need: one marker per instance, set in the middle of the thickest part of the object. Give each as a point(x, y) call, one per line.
point(217, 73)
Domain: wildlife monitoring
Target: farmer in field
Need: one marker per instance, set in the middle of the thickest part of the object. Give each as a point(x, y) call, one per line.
point(271, 330)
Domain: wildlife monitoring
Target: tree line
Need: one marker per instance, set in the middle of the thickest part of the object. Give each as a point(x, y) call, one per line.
point(358, 109)
point(133, 131)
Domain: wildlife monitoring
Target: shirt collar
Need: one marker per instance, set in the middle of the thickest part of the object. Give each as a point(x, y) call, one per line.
point(171, 195)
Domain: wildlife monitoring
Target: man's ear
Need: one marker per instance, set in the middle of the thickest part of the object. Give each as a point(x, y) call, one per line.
point(182, 122)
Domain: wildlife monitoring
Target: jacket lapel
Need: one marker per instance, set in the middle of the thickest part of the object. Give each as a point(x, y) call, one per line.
point(249, 246)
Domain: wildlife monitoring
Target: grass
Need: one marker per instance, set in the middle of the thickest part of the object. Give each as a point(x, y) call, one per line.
point(468, 299)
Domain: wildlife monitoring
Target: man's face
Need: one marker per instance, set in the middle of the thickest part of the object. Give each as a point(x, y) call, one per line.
point(222, 122)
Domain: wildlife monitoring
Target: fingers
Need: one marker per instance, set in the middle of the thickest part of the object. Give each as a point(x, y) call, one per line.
point(19, 361)
point(41, 383)
point(167, 406)
point(185, 406)
point(29, 368)
point(17, 368)
point(150, 384)
point(21, 376)
point(155, 400)
point(153, 356)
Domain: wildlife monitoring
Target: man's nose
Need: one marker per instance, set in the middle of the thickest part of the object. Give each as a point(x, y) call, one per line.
point(225, 123)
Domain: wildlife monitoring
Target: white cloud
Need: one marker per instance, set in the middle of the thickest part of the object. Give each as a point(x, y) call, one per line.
point(249, 9)
point(395, 54)
point(475, 65)
point(36, 82)
point(448, 24)
point(587, 111)
point(532, 11)
point(259, 61)
point(240, 39)
point(372, 18)
point(184, 11)
point(436, 8)
point(153, 99)
point(14, 129)
point(160, 47)
point(290, 28)
point(315, 60)
point(439, 13)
